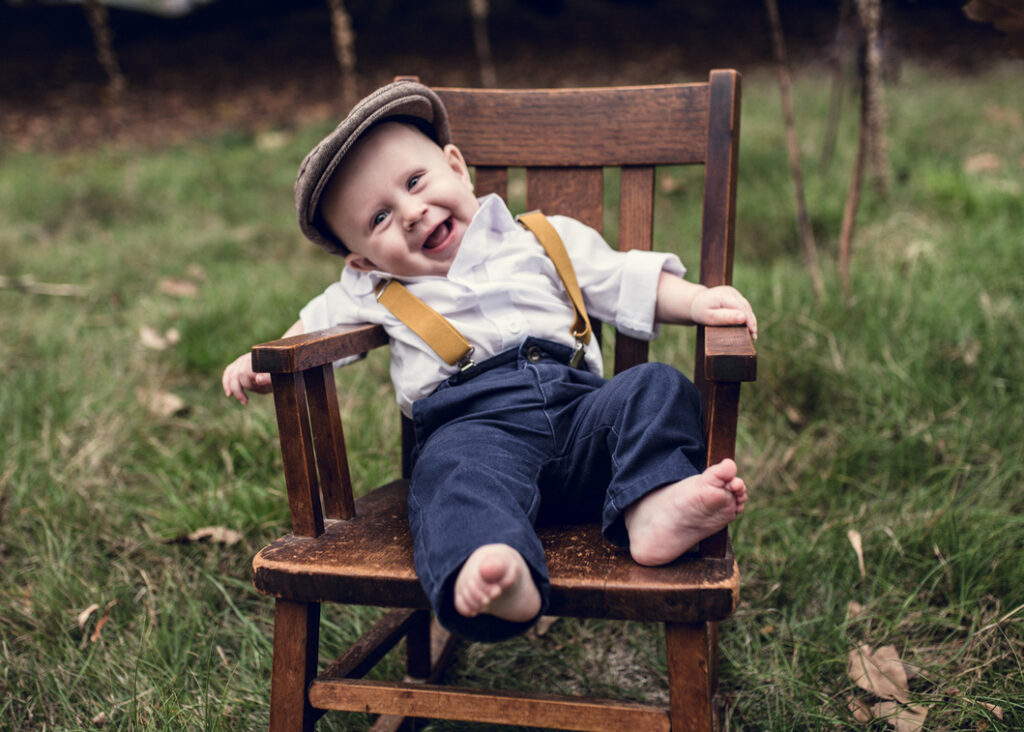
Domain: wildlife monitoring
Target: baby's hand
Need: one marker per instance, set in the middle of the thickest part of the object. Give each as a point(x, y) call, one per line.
point(239, 377)
point(723, 305)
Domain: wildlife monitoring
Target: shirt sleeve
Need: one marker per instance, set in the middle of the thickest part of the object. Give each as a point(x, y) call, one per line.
point(618, 287)
point(334, 306)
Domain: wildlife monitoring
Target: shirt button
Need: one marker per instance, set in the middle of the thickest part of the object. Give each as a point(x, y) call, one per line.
point(533, 354)
point(515, 326)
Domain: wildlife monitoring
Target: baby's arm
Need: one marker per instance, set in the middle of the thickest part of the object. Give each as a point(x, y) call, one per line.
point(239, 377)
point(687, 303)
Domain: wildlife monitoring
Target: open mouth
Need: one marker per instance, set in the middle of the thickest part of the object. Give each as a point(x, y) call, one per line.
point(439, 236)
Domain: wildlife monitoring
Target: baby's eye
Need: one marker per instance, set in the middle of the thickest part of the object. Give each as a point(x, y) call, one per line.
point(378, 219)
point(413, 181)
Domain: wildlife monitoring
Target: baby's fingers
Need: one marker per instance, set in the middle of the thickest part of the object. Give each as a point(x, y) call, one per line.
point(725, 316)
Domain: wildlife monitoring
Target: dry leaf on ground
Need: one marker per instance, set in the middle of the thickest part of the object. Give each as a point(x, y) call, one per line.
point(880, 672)
point(985, 162)
point(211, 534)
point(542, 626)
point(83, 617)
point(858, 547)
point(859, 709)
point(152, 339)
point(102, 621)
point(178, 287)
point(161, 403)
point(902, 718)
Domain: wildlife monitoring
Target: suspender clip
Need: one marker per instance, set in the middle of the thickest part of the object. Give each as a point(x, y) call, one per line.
point(467, 362)
point(577, 355)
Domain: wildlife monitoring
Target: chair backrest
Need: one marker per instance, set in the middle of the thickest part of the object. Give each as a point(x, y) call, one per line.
point(565, 138)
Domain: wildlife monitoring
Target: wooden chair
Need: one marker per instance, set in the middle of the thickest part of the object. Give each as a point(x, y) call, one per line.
point(360, 552)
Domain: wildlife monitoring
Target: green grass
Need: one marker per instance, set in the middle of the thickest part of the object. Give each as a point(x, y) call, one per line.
point(897, 414)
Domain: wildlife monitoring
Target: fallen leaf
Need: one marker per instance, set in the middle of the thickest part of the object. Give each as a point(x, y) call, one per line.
point(102, 621)
point(971, 352)
point(1004, 115)
point(985, 162)
point(880, 672)
point(859, 709)
point(996, 711)
point(854, 609)
point(211, 534)
point(152, 339)
point(161, 403)
point(178, 287)
point(542, 626)
point(83, 617)
point(101, 719)
point(854, 537)
point(902, 718)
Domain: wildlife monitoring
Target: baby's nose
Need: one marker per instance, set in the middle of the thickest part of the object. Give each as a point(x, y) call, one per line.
point(412, 213)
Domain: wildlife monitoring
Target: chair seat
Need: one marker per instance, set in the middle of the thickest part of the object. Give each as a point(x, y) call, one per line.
point(368, 561)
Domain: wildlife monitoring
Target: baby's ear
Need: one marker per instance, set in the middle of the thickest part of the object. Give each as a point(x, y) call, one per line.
point(359, 263)
point(458, 163)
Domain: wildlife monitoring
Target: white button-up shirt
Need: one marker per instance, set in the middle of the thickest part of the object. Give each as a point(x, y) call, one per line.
point(501, 288)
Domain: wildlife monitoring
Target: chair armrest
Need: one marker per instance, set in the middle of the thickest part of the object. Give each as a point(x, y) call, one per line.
point(306, 351)
point(729, 354)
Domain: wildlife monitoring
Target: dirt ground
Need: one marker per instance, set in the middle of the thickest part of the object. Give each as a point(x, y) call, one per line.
point(269, 64)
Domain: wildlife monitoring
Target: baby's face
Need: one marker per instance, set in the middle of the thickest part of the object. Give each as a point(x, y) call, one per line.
point(400, 202)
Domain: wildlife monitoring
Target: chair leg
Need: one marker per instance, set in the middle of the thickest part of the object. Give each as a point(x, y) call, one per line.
point(294, 666)
point(691, 675)
point(417, 647)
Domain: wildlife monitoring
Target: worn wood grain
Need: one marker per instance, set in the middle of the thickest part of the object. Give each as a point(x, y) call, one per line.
point(729, 354)
point(688, 649)
point(482, 706)
point(329, 442)
point(575, 192)
point(581, 127)
point(296, 639)
point(300, 474)
point(297, 353)
point(368, 560)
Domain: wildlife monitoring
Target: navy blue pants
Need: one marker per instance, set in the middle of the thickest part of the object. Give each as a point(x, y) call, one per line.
point(524, 437)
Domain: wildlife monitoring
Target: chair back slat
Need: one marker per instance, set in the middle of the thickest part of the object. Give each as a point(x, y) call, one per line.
point(636, 231)
point(575, 192)
point(651, 125)
point(491, 180)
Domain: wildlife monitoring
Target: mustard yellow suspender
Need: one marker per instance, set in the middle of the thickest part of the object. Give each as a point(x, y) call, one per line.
point(447, 342)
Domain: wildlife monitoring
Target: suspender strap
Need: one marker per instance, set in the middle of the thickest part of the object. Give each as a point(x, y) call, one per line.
point(442, 336)
point(541, 228)
point(425, 322)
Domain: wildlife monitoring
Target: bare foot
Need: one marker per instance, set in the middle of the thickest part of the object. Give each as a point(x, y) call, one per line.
point(495, 580)
point(672, 519)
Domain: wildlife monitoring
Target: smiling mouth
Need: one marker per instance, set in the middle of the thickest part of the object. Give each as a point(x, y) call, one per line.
point(439, 235)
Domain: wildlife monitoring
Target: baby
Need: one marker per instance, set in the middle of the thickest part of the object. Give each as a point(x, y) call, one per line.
point(521, 435)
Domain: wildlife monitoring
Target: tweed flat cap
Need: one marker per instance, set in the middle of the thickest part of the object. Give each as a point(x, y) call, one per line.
point(407, 100)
